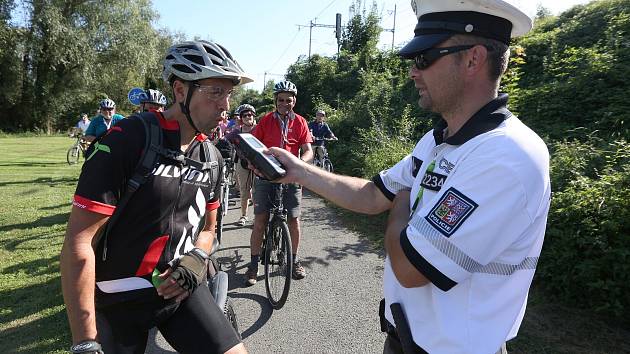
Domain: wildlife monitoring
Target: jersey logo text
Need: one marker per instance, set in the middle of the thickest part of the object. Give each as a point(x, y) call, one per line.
point(450, 211)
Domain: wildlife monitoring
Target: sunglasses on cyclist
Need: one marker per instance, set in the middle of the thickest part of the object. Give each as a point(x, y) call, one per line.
point(214, 93)
point(431, 55)
point(106, 109)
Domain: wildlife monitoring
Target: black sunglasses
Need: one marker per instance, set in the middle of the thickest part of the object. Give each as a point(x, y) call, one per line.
point(429, 56)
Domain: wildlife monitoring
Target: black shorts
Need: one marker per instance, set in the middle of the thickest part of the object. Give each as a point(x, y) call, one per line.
point(197, 325)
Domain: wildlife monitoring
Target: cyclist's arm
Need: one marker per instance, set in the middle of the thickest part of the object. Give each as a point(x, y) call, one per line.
point(77, 272)
point(307, 152)
point(351, 193)
point(206, 236)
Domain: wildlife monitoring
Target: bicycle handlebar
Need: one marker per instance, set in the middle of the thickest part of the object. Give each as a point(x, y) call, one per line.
point(324, 139)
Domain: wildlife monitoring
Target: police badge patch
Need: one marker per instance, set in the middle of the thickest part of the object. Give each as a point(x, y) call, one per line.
point(450, 211)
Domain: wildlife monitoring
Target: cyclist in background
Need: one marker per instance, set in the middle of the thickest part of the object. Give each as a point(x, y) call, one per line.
point(152, 100)
point(244, 176)
point(83, 123)
point(106, 119)
point(288, 130)
point(320, 131)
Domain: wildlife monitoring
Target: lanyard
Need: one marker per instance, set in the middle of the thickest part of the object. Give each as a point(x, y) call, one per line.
point(284, 128)
point(110, 122)
point(421, 191)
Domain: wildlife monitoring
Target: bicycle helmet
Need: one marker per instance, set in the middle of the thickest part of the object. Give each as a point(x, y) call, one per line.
point(153, 96)
point(107, 103)
point(245, 107)
point(285, 86)
point(198, 60)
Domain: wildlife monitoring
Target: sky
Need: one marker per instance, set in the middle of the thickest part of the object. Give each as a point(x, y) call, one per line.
point(266, 36)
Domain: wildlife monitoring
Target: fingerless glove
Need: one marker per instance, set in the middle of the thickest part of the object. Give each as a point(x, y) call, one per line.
point(190, 270)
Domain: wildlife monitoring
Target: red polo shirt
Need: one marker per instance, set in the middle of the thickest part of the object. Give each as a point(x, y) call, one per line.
point(269, 131)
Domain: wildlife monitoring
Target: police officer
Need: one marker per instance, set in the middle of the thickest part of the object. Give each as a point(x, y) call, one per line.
point(468, 206)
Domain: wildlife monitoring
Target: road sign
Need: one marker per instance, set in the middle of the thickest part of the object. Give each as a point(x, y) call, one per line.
point(134, 95)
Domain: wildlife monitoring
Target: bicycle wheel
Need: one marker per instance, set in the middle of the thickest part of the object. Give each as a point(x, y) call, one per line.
point(278, 264)
point(73, 155)
point(228, 311)
point(328, 165)
point(219, 227)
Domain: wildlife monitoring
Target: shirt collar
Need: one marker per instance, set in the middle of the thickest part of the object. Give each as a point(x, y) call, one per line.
point(487, 118)
point(291, 115)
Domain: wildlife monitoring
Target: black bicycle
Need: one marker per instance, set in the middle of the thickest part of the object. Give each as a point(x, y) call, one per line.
point(321, 158)
point(277, 252)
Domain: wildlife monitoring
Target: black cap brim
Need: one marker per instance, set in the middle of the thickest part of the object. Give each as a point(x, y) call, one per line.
point(421, 43)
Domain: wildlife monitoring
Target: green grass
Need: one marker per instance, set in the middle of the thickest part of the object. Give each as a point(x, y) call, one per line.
point(548, 327)
point(36, 187)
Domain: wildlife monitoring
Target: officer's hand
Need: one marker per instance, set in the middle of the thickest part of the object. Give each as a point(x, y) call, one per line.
point(296, 168)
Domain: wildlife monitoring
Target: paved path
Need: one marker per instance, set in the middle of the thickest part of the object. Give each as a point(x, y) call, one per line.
point(333, 310)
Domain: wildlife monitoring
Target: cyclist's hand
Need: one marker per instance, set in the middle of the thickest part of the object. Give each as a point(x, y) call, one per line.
point(186, 275)
point(170, 288)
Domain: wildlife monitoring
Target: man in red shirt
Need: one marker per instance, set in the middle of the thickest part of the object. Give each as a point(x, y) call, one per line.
point(285, 129)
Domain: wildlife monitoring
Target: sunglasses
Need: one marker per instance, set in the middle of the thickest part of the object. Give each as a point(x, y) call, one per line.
point(247, 115)
point(214, 93)
point(106, 109)
point(431, 55)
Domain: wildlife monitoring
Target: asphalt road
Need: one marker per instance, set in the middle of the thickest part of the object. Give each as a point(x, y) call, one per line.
point(333, 310)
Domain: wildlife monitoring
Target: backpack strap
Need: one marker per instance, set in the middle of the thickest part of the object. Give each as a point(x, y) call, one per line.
point(149, 158)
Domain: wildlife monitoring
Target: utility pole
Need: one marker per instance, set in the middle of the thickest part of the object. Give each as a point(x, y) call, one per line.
point(264, 80)
point(312, 24)
point(392, 30)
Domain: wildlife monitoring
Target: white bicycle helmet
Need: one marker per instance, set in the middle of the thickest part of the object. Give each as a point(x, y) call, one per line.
point(198, 60)
point(153, 96)
point(285, 86)
point(245, 107)
point(107, 103)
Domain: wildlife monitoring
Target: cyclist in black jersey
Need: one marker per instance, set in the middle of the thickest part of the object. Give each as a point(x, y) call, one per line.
point(149, 269)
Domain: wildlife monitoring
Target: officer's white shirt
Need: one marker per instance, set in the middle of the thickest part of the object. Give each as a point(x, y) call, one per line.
point(476, 232)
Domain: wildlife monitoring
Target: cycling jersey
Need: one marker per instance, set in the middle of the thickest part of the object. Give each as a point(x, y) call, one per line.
point(99, 126)
point(479, 202)
point(319, 131)
point(271, 131)
point(162, 219)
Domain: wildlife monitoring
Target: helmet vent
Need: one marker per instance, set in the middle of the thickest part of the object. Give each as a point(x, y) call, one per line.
point(196, 67)
point(183, 68)
point(194, 58)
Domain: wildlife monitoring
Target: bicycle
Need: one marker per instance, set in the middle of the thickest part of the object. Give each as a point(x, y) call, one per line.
point(218, 282)
point(277, 251)
point(321, 158)
point(226, 183)
point(77, 149)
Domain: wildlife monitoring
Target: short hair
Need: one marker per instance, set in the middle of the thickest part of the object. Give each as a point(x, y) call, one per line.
point(498, 53)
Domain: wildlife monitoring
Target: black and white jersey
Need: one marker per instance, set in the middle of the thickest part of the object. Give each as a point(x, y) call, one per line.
point(162, 219)
point(479, 203)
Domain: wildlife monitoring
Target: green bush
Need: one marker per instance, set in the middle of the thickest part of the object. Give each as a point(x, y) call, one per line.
point(586, 255)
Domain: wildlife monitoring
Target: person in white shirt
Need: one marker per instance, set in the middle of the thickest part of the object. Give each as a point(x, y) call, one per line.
point(84, 123)
point(468, 206)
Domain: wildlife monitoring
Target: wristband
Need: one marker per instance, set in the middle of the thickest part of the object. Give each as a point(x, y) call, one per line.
point(87, 346)
point(201, 253)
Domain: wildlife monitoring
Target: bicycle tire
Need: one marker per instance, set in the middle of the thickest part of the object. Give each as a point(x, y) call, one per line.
point(72, 156)
point(219, 227)
point(230, 314)
point(328, 166)
point(278, 263)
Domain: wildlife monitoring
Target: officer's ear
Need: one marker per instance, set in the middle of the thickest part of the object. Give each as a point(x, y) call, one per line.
point(475, 59)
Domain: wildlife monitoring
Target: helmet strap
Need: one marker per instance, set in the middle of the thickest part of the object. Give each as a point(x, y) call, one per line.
point(185, 107)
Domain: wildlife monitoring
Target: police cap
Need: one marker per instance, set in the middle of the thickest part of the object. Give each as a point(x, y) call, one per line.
point(438, 20)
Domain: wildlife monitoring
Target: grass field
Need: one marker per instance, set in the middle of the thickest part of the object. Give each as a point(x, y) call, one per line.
point(36, 187)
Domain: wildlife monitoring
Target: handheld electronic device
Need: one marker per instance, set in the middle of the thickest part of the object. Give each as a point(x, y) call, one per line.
point(251, 149)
